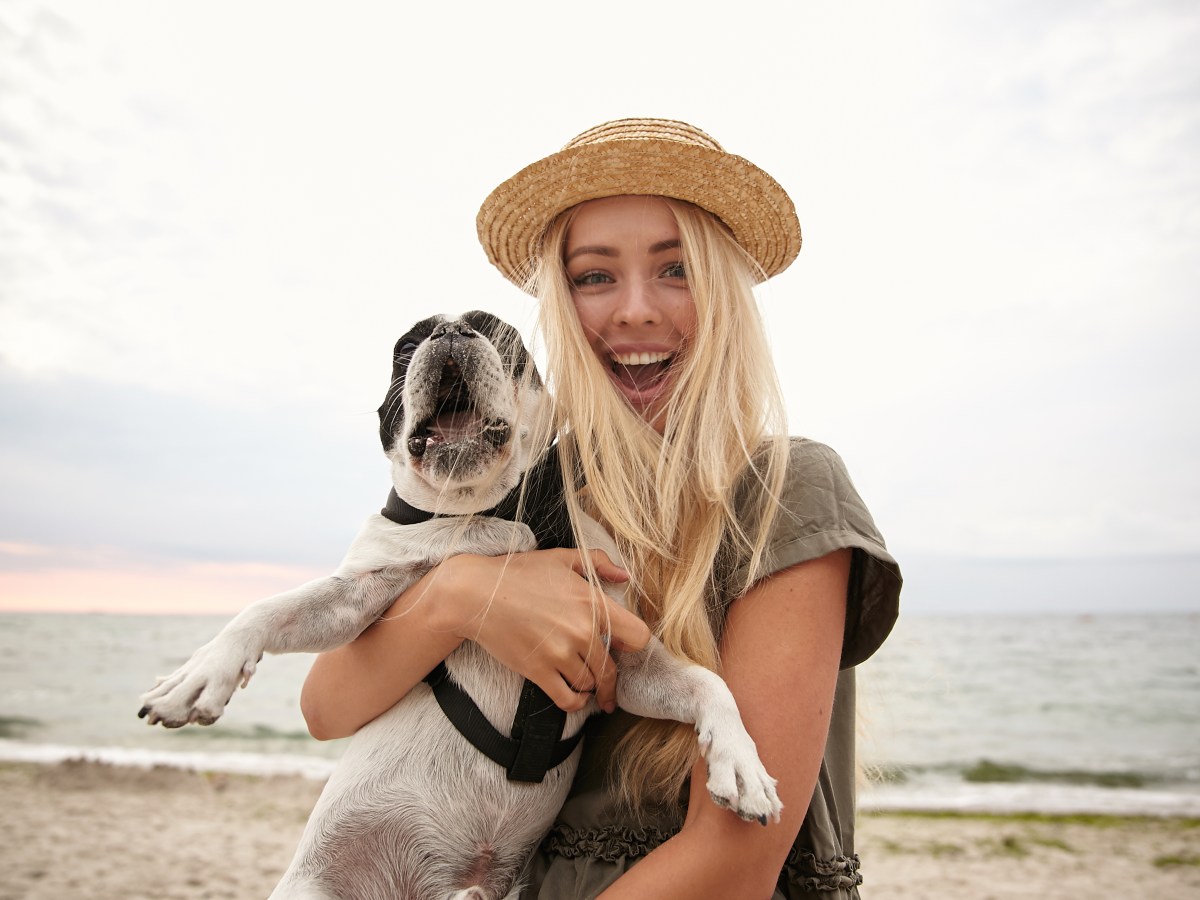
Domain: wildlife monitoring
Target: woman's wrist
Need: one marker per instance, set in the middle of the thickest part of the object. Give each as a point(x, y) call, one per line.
point(458, 593)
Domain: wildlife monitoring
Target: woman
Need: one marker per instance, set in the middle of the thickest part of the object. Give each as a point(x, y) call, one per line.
point(747, 552)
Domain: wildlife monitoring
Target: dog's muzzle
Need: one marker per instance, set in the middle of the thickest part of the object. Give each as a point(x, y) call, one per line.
point(456, 415)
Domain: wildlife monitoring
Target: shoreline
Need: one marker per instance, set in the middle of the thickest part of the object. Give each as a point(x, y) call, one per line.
point(85, 829)
point(920, 794)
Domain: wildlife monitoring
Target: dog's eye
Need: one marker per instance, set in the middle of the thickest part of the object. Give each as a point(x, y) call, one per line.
point(408, 348)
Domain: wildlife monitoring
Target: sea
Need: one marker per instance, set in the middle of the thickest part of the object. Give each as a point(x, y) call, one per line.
point(1044, 713)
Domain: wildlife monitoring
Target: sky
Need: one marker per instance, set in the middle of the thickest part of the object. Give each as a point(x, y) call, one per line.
point(215, 221)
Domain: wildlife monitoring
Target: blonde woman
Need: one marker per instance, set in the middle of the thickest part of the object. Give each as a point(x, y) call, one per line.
point(748, 552)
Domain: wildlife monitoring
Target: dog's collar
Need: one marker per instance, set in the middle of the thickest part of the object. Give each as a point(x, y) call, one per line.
point(544, 509)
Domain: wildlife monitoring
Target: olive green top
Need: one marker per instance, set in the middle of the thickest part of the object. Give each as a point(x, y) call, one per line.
point(593, 842)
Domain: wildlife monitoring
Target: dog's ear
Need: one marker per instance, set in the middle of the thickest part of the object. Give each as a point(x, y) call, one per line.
point(391, 412)
point(507, 341)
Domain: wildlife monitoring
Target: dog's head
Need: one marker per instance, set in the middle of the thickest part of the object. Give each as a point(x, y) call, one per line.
point(460, 412)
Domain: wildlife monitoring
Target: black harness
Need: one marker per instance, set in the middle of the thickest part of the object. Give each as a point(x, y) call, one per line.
point(535, 745)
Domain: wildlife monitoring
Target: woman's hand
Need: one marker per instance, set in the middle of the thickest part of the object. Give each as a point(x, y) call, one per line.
point(535, 612)
point(538, 614)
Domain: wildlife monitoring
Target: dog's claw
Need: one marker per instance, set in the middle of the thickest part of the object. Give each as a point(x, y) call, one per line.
point(199, 690)
point(737, 780)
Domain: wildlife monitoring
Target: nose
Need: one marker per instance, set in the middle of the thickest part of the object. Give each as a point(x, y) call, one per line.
point(453, 329)
point(636, 304)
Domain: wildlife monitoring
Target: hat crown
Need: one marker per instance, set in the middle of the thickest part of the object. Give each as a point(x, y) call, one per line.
point(645, 130)
point(641, 156)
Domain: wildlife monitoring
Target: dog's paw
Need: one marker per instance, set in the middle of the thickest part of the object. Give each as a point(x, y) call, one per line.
point(737, 779)
point(198, 691)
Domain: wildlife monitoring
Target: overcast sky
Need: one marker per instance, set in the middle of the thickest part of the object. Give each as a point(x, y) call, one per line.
point(215, 221)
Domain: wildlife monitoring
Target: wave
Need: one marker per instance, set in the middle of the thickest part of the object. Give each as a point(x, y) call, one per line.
point(985, 786)
point(256, 732)
point(1054, 799)
point(987, 771)
point(17, 726)
point(198, 761)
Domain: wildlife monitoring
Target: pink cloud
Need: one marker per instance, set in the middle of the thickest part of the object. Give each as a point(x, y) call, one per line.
point(181, 588)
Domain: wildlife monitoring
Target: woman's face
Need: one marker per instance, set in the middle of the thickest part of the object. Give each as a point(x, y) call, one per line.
point(625, 266)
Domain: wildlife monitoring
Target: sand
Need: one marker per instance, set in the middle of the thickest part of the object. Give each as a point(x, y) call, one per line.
point(99, 832)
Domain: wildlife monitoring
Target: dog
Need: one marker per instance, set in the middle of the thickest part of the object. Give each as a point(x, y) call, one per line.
point(413, 809)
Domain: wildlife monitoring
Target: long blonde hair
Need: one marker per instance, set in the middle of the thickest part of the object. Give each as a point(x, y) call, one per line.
point(669, 500)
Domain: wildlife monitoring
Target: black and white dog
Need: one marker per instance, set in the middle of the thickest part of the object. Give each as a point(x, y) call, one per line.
point(413, 809)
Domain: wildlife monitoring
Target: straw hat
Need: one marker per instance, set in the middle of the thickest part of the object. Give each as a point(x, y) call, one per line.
point(657, 157)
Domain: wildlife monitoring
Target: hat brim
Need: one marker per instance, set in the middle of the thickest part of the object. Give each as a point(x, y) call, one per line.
point(750, 202)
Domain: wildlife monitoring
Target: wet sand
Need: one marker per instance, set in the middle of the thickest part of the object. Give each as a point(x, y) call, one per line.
point(89, 831)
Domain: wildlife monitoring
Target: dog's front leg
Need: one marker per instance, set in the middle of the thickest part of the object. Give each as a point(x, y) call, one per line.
point(654, 683)
point(315, 617)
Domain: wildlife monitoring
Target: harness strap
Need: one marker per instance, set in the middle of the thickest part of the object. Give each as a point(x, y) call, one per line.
point(534, 747)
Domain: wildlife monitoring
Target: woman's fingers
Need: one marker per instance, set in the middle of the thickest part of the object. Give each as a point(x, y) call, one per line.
point(538, 613)
point(561, 693)
point(585, 674)
point(584, 681)
point(626, 630)
point(606, 568)
point(604, 679)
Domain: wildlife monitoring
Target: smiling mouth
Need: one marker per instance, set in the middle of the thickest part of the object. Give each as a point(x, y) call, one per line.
point(456, 417)
point(639, 372)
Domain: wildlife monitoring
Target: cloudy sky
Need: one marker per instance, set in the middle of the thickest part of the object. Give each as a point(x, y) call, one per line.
point(215, 220)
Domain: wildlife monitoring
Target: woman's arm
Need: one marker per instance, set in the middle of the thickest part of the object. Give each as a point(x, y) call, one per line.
point(535, 612)
point(780, 655)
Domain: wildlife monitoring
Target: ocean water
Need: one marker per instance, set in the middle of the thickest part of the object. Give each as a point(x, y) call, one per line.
point(1047, 713)
point(1043, 713)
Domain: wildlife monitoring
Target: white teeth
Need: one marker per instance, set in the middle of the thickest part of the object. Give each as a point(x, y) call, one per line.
point(639, 359)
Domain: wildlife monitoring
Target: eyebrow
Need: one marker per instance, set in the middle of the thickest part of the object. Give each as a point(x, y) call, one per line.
point(591, 251)
point(670, 244)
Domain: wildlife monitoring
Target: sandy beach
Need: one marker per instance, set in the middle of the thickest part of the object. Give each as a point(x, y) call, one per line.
point(97, 832)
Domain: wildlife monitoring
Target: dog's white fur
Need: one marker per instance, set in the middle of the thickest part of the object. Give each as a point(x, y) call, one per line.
point(412, 809)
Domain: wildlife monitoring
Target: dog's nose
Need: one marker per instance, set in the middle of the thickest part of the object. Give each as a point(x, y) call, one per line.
point(453, 329)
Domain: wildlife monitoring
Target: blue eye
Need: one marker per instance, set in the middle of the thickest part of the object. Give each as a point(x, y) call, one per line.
point(675, 270)
point(591, 278)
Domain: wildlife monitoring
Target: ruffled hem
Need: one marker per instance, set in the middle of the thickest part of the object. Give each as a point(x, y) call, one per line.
point(611, 844)
point(807, 873)
point(802, 871)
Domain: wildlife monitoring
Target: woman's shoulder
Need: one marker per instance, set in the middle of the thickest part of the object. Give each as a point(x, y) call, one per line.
point(816, 484)
point(815, 464)
point(820, 511)
point(817, 502)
